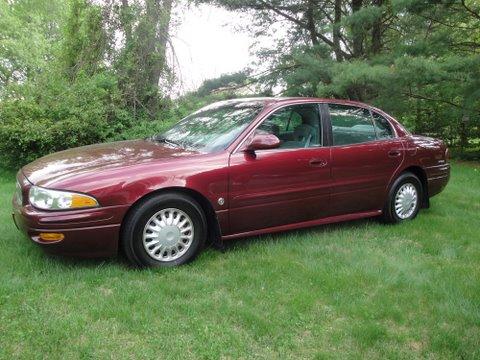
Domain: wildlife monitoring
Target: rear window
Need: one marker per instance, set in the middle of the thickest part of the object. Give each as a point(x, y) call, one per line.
point(351, 125)
point(382, 126)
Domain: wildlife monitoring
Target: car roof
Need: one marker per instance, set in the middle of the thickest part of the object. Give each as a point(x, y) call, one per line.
point(285, 100)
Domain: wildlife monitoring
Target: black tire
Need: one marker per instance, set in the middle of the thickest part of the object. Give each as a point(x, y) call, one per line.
point(389, 214)
point(136, 220)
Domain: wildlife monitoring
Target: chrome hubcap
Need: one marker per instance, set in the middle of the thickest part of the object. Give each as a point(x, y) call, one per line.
point(168, 234)
point(406, 200)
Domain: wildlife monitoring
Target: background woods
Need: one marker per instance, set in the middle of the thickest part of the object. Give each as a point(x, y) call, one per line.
point(74, 72)
point(417, 59)
point(79, 72)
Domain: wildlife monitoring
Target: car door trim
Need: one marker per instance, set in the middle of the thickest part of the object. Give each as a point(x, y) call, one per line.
point(303, 224)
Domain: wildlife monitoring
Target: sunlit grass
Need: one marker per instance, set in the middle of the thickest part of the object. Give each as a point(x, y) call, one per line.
point(352, 290)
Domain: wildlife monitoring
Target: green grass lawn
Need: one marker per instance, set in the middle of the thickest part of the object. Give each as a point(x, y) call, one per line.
point(352, 290)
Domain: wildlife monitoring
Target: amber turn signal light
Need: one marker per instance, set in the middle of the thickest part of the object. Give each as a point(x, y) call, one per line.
point(79, 201)
point(51, 236)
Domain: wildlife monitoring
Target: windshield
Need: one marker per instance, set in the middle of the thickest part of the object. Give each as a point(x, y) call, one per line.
point(212, 128)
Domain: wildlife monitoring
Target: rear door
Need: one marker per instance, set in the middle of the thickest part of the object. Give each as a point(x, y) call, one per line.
point(286, 185)
point(365, 155)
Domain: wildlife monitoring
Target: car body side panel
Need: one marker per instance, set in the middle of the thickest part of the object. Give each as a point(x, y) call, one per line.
point(304, 224)
point(206, 174)
point(276, 187)
point(361, 174)
point(117, 189)
point(430, 155)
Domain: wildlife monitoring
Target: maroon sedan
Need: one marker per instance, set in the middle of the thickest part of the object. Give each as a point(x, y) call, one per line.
point(232, 169)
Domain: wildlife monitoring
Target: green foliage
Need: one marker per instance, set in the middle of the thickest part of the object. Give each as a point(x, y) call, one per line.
point(418, 60)
point(59, 116)
point(143, 129)
point(142, 61)
point(223, 82)
point(63, 77)
point(29, 32)
point(84, 39)
point(74, 72)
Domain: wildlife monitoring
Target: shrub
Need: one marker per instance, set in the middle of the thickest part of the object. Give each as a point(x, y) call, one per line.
point(59, 115)
point(144, 128)
point(53, 113)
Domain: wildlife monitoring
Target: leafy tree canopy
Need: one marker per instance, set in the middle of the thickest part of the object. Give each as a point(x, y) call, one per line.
point(417, 59)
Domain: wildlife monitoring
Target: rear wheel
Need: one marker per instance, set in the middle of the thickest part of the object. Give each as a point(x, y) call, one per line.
point(164, 230)
point(404, 199)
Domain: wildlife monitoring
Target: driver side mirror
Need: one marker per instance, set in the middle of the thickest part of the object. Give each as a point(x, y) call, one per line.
point(263, 142)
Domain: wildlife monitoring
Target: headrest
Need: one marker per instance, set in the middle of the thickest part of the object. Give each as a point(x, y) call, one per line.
point(309, 117)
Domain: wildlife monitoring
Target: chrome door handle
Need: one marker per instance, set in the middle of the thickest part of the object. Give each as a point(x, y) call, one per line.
point(318, 163)
point(394, 153)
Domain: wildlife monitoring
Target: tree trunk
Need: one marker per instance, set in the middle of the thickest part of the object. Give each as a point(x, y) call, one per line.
point(336, 29)
point(377, 30)
point(357, 32)
point(157, 14)
point(464, 133)
point(311, 22)
point(126, 21)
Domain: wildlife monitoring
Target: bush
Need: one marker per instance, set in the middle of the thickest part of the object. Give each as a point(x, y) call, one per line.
point(24, 141)
point(144, 128)
point(171, 113)
point(54, 115)
point(468, 154)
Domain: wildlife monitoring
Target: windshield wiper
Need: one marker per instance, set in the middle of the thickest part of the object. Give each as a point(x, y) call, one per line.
point(166, 141)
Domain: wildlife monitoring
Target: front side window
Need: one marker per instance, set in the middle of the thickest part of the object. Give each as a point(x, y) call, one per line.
point(351, 125)
point(383, 127)
point(212, 128)
point(297, 126)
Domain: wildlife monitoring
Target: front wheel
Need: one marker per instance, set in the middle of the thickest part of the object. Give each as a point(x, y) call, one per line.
point(164, 230)
point(404, 199)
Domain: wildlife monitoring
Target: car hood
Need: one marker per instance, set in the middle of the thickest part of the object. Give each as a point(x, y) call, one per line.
point(99, 157)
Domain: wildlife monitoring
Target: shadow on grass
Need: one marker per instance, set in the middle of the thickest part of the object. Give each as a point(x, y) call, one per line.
point(274, 238)
point(88, 263)
point(230, 246)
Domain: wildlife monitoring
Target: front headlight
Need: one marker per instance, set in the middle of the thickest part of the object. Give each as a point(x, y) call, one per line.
point(47, 199)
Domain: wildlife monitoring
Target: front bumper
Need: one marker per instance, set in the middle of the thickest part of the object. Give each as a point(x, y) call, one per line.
point(87, 233)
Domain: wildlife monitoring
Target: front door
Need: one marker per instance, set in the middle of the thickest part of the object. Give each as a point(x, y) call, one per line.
point(286, 185)
point(365, 155)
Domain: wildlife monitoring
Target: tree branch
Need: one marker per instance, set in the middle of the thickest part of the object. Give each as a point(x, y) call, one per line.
point(421, 97)
point(470, 10)
point(304, 26)
point(254, 79)
point(446, 24)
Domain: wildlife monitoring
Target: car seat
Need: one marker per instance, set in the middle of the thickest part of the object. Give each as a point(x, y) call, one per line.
point(308, 131)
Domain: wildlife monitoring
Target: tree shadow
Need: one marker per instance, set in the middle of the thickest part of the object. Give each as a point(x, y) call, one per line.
point(89, 263)
point(229, 246)
point(274, 238)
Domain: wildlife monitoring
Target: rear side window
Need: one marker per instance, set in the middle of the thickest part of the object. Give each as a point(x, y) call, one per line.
point(351, 125)
point(383, 127)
